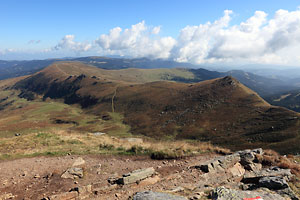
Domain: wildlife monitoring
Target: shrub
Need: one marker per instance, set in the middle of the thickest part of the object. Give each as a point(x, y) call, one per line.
point(106, 146)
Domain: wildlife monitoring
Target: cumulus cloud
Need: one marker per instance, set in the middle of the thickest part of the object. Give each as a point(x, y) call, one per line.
point(257, 39)
point(137, 41)
point(68, 43)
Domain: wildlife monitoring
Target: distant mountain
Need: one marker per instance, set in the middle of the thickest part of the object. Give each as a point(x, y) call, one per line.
point(11, 69)
point(220, 110)
point(124, 63)
point(262, 85)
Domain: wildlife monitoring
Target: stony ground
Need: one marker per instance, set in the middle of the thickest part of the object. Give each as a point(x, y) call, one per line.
point(39, 177)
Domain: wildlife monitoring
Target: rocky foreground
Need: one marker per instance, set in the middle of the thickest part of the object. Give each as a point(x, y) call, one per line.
point(241, 175)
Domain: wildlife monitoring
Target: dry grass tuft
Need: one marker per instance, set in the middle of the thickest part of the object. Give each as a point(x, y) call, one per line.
point(272, 158)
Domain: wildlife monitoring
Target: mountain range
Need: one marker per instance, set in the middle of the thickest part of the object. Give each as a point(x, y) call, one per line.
point(150, 103)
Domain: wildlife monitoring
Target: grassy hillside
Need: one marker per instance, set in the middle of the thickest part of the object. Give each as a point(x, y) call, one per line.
point(222, 110)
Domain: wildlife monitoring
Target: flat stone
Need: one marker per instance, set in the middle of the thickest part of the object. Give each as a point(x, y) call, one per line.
point(64, 196)
point(136, 175)
point(149, 181)
point(222, 193)
point(272, 171)
point(73, 173)
point(149, 195)
point(99, 133)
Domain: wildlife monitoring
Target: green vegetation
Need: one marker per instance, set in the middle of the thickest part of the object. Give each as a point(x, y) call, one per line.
point(118, 129)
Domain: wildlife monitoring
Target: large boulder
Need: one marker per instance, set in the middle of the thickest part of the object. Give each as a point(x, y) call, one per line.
point(248, 159)
point(149, 195)
point(223, 193)
point(273, 183)
point(254, 177)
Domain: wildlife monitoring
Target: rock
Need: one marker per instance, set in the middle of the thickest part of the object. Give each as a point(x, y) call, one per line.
point(6, 196)
point(79, 161)
point(73, 173)
point(256, 167)
point(64, 196)
point(37, 176)
point(229, 160)
point(149, 195)
point(222, 193)
point(258, 151)
point(136, 175)
point(219, 164)
point(253, 177)
point(178, 189)
point(288, 192)
point(273, 183)
point(113, 180)
point(99, 133)
point(97, 188)
point(83, 191)
point(149, 181)
point(248, 158)
point(237, 170)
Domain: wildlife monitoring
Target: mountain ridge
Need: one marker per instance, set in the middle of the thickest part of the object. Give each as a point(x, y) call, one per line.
point(169, 109)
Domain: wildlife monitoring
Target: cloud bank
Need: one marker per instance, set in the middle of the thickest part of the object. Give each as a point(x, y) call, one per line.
point(259, 39)
point(137, 41)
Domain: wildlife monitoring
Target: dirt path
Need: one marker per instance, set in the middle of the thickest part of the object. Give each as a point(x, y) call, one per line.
point(59, 69)
point(35, 178)
point(112, 100)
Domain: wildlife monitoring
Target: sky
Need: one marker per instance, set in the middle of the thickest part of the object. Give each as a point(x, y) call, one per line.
point(195, 31)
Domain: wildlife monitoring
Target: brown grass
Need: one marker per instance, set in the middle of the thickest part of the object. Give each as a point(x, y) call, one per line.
point(60, 142)
point(272, 158)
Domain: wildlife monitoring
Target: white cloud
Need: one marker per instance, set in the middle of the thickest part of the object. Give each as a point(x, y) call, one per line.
point(68, 43)
point(138, 41)
point(258, 39)
point(156, 30)
point(255, 40)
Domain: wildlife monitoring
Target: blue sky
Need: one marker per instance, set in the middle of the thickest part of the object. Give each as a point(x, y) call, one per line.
point(35, 25)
